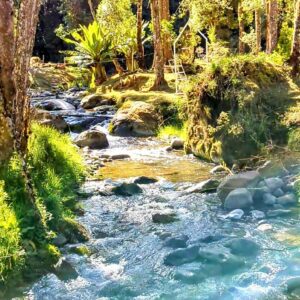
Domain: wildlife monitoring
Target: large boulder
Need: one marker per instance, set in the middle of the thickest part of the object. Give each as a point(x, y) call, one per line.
point(238, 199)
point(241, 180)
point(55, 104)
point(46, 118)
point(94, 100)
point(94, 139)
point(138, 119)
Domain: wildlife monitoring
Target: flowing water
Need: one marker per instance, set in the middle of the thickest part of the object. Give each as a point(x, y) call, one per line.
point(128, 248)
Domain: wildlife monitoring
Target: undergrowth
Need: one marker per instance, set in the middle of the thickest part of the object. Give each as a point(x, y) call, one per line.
point(56, 169)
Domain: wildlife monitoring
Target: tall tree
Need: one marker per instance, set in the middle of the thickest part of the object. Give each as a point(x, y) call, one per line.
point(158, 44)
point(241, 27)
point(272, 25)
point(165, 18)
point(17, 36)
point(295, 56)
point(258, 29)
point(139, 35)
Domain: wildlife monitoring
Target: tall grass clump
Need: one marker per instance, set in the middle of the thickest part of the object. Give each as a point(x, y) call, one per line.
point(11, 254)
point(26, 227)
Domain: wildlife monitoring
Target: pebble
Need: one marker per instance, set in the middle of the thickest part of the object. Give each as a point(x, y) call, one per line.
point(264, 227)
point(236, 214)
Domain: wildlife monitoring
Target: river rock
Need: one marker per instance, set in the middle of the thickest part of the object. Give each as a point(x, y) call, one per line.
point(243, 247)
point(274, 183)
point(271, 169)
point(144, 180)
point(176, 242)
point(94, 100)
point(219, 260)
point(64, 270)
point(127, 189)
point(182, 256)
point(265, 227)
point(44, 117)
point(236, 214)
point(218, 169)
point(55, 104)
point(257, 214)
point(278, 193)
point(207, 186)
point(238, 199)
point(288, 199)
point(292, 286)
point(177, 144)
point(138, 119)
point(167, 216)
point(94, 139)
point(241, 180)
point(119, 156)
point(60, 240)
point(269, 199)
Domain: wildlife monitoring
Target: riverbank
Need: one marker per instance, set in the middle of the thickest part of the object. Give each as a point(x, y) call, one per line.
point(30, 231)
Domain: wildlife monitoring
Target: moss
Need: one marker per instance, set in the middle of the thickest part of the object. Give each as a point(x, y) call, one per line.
point(81, 250)
point(73, 231)
point(236, 107)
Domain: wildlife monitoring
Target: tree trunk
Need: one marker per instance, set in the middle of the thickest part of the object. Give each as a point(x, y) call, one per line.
point(295, 55)
point(241, 28)
point(140, 46)
point(158, 45)
point(118, 67)
point(100, 73)
point(167, 41)
point(91, 6)
point(272, 25)
point(258, 29)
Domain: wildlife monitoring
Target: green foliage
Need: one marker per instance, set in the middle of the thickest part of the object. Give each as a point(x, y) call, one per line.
point(56, 170)
point(294, 139)
point(92, 43)
point(171, 131)
point(237, 101)
point(10, 237)
point(284, 45)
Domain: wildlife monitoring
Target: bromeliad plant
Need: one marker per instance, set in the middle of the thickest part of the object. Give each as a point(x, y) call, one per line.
point(93, 46)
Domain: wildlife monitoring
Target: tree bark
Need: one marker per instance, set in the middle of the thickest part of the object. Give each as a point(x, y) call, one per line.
point(167, 42)
point(118, 67)
point(258, 29)
point(241, 28)
point(140, 46)
point(100, 73)
point(158, 45)
point(91, 6)
point(295, 55)
point(272, 25)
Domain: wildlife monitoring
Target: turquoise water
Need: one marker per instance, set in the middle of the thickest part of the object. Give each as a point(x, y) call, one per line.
point(128, 249)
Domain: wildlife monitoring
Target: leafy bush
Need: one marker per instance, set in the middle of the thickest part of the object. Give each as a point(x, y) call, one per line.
point(294, 140)
point(235, 108)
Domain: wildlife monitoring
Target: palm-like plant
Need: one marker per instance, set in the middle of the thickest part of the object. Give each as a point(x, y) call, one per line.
point(93, 46)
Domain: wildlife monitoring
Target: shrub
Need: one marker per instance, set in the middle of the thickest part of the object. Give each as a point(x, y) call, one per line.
point(294, 140)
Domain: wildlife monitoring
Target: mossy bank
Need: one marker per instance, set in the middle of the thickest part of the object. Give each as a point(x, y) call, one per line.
point(28, 229)
point(241, 105)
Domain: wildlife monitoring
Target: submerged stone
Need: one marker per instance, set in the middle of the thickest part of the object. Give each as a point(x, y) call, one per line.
point(207, 186)
point(182, 256)
point(164, 217)
point(236, 214)
point(145, 180)
point(127, 189)
point(176, 242)
point(243, 247)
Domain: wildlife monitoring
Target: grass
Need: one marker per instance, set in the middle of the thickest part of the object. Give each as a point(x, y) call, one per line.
point(171, 131)
point(56, 169)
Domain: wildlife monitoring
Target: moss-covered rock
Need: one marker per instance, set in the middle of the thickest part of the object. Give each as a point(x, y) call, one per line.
point(135, 119)
point(237, 106)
